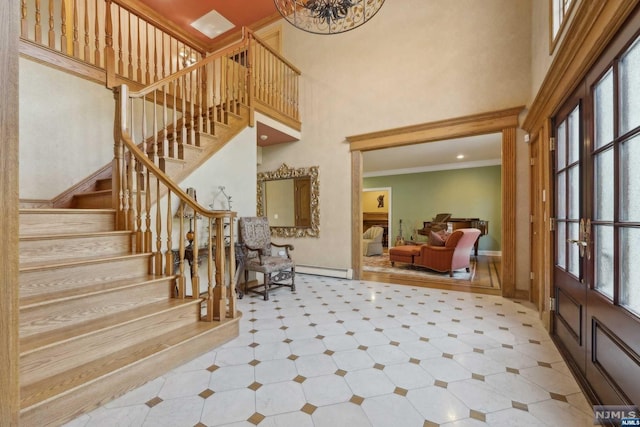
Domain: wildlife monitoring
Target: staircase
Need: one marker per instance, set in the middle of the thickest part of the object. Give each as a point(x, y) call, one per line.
point(93, 322)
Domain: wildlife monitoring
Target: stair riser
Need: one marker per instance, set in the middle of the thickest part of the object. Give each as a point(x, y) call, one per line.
point(63, 222)
point(103, 184)
point(43, 284)
point(73, 315)
point(65, 248)
point(67, 406)
point(47, 362)
point(92, 201)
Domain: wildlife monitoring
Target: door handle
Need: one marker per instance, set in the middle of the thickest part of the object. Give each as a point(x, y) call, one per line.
point(585, 233)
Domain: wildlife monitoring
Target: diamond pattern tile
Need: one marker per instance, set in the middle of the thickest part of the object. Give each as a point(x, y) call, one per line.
point(372, 353)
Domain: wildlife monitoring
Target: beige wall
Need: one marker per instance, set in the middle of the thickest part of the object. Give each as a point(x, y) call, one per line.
point(414, 62)
point(66, 129)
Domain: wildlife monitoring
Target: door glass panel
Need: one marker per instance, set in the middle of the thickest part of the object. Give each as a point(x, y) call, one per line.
point(574, 255)
point(603, 190)
point(603, 110)
point(574, 193)
point(630, 180)
point(630, 88)
point(629, 271)
point(561, 246)
point(561, 188)
point(561, 148)
point(603, 257)
point(573, 141)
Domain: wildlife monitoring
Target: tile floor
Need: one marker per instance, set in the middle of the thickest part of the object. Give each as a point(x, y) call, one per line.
point(354, 353)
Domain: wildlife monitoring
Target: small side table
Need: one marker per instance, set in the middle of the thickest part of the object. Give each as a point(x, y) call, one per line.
point(202, 255)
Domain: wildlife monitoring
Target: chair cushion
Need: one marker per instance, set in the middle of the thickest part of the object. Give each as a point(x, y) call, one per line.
point(269, 264)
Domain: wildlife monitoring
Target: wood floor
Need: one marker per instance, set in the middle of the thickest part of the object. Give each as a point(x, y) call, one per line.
point(477, 285)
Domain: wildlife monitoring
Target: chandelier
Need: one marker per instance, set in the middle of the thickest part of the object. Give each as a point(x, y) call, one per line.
point(327, 16)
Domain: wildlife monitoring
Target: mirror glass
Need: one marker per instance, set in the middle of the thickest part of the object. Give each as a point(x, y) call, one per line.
point(288, 197)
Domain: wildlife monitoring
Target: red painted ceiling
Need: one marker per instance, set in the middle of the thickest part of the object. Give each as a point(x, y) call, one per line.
point(239, 12)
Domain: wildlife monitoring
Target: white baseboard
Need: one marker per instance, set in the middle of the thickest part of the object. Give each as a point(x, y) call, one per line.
point(490, 253)
point(341, 273)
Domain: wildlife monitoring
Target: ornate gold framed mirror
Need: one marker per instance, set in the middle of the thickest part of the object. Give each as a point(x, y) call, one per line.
point(289, 198)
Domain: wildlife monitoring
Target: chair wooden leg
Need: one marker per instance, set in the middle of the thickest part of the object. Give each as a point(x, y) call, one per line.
point(266, 286)
point(293, 281)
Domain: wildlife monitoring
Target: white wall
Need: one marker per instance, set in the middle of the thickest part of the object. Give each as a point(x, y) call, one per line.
point(66, 129)
point(416, 61)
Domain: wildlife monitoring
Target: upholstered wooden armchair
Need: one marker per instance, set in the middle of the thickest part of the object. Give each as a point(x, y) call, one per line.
point(257, 248)
point(455, 254)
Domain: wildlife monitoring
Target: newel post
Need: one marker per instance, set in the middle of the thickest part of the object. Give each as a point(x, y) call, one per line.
point(120, 94)
point(109, 53)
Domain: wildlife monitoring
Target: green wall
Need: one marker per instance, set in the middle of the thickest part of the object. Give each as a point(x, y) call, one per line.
point(465, 193)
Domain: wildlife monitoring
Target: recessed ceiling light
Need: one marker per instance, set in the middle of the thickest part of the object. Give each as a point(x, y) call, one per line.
point(460, 156)
point(212, 24)
point(264, 137)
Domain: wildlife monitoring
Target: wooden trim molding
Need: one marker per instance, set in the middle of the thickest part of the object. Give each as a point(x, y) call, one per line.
point(504, 121)
point(476, 124)
point(9, 226)
point(593, 26)
point(356, 214)
point(508, 242)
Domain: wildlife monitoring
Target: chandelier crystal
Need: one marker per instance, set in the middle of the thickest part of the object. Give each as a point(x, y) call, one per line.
point(327, 16)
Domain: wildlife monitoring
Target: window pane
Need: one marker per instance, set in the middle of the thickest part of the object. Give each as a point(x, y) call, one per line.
point(561, 201)
point(630, 180)
point(573, 142)
point(603, 110)
point(630, 88)
point(574, 193)
point(561, 246)
point(574, 254)
point(561, 148)
point(629, 271)
point(603, 191)
point(603, 257)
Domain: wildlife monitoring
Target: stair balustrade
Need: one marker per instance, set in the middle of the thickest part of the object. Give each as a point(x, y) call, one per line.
point(108, 41)
point(163, 119)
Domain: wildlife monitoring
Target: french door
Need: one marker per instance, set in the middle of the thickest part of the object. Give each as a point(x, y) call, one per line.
point(597, 223)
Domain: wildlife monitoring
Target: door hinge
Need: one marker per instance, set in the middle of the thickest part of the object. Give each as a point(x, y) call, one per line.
point(552, 304)
point(532, 161)
point(531, 219)
point(552, 224)
point(552, 144)
point(532, 275)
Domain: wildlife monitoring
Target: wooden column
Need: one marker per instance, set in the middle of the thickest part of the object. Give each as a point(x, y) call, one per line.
point(9, 344)
point(509, 212)
point(356, 213)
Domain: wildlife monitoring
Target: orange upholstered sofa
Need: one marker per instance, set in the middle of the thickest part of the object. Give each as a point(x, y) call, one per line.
point(454, 255)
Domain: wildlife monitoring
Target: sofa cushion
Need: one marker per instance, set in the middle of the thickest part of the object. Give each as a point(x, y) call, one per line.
point(438, 238)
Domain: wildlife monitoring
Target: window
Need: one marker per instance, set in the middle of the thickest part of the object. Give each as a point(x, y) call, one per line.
point(560, 10)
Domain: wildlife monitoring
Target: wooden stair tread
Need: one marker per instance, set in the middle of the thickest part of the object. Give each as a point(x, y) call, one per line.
point(77, 261)
point(67, 293)
point(88, 372)
point(32, 342)
point(30, 265)
point(58, 313)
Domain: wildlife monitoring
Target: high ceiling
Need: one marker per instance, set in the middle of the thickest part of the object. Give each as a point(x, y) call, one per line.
point(257, 13)
point(239, 12)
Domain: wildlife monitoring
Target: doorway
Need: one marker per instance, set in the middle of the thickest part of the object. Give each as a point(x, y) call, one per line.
point(504, 121)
